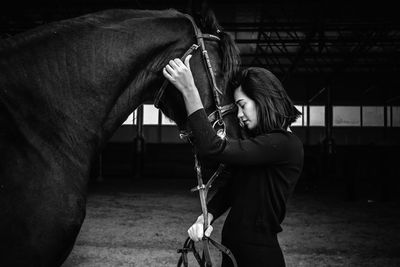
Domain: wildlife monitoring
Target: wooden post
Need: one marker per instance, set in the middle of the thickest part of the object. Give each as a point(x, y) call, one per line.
point(139, 143)
point(100, 177)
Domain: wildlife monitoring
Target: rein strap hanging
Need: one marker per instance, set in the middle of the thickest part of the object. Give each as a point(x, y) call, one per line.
point(205, 261)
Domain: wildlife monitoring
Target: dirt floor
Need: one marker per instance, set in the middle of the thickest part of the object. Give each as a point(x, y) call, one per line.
point(143, 223)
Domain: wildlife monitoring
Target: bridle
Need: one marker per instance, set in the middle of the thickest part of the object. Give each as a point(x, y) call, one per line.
point(216, 119)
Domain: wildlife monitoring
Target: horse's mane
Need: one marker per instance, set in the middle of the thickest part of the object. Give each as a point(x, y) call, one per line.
point(208, 23)
point(105, 19)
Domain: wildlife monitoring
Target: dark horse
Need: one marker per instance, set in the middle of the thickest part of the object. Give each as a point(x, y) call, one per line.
point(64, 89)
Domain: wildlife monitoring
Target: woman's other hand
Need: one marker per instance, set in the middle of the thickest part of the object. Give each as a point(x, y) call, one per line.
point(179, 74)
point(195, 232)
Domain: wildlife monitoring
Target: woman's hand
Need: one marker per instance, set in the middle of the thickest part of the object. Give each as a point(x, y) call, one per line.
point(196, 230)
point(179, 74)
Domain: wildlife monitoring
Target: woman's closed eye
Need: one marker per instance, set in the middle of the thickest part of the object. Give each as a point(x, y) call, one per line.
point(240, 105)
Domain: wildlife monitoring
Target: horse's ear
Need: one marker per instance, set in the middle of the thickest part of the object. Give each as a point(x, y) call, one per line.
point(205, 9)
point(197, 8)
point(204, 17)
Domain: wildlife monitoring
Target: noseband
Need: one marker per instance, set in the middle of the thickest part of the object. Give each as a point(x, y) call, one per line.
point(216, 119)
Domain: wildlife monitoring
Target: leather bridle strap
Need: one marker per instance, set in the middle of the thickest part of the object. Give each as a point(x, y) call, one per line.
point(225, 110)
point(190, 247)
point(200, 43)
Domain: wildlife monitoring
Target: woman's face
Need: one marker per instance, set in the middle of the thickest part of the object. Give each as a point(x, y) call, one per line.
point(247, 110)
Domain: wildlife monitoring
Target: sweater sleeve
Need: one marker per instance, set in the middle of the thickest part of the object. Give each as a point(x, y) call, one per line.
point(268, 148)
point(219, 203)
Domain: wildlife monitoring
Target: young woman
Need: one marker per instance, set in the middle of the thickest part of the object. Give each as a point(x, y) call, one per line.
point(265, 166)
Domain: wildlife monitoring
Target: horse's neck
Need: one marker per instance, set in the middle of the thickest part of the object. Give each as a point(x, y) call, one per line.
point(77, 85)
point(154, 42)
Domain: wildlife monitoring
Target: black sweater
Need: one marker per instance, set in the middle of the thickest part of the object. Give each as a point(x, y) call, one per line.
point(265, 170)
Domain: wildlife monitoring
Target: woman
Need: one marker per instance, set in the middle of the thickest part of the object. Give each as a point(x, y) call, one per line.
point(265, 166)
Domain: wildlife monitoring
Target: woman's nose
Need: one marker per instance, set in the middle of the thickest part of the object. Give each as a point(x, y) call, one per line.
point(240, 113)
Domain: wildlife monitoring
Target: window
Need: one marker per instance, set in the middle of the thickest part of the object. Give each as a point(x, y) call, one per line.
point(373, 116)
point(346, 116)
point(343, 116)
point(317, 115)
point(299, 121)
point(396, 116)
point(150, 115)
point(131, 119)
point(167, 121)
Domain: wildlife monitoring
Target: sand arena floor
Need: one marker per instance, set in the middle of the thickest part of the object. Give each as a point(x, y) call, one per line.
point(142, 223)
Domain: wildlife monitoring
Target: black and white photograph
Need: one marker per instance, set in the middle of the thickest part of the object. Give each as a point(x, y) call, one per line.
point(242, 133)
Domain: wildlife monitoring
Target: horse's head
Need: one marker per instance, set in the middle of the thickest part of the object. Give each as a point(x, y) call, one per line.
point(213, 83)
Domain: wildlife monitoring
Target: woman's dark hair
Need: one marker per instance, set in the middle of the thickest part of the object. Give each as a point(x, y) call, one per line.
point(275, 110)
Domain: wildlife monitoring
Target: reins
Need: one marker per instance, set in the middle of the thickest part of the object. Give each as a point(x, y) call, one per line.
point(216, 119)
point(203, 189)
